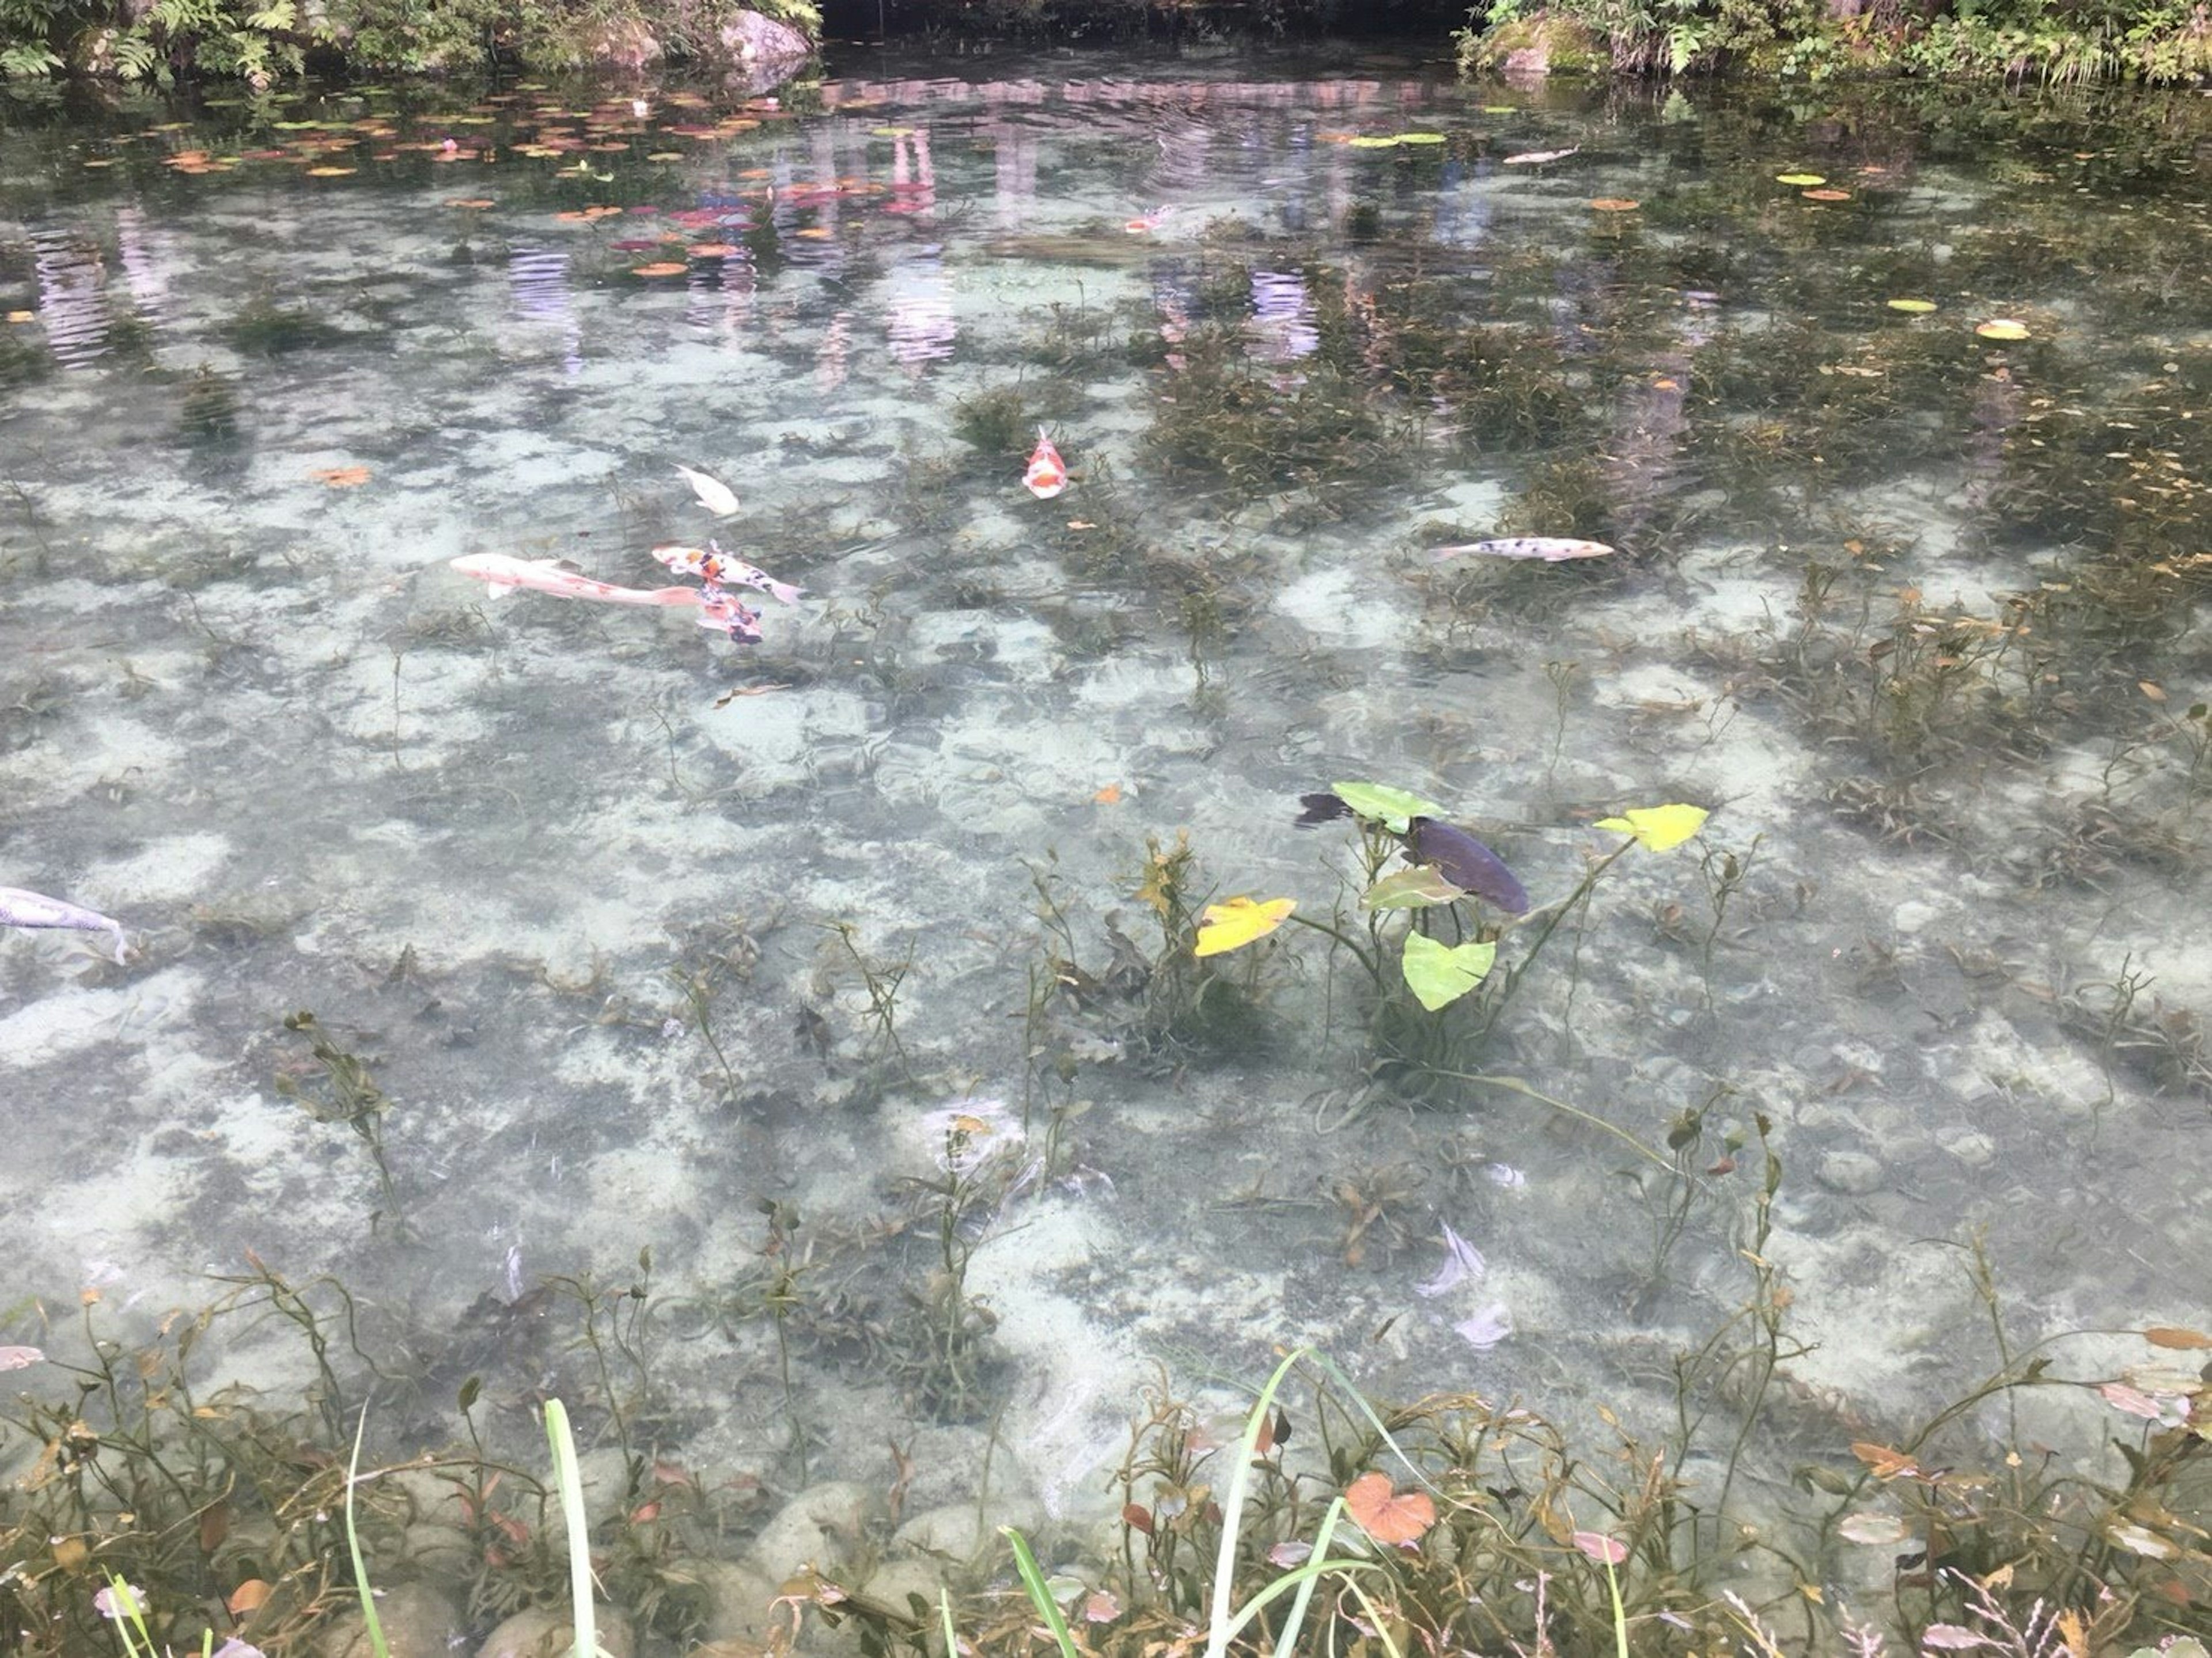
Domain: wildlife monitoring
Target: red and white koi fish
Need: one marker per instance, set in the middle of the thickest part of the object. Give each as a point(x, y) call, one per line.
point(719, 610)
point(21, 908)
point(717, 569)
point(1553, 549)
point(1538, 157)
point(1047, 473)
point(503, 575)
point(1144, 222)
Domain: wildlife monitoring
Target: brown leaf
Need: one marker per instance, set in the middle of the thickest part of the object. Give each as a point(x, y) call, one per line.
point(249, 1596)
point(341, 478)
point(2178, 1340)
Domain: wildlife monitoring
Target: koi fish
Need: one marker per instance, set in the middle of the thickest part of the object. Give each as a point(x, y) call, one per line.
point(716, 496)
point(34, 909)
point(503, 575)
point(1048, 474)
point(1553, 549)
point(719, 610)
point(1144, 222)
point(1538, 157)
point(717, 569)
point(1466, 862)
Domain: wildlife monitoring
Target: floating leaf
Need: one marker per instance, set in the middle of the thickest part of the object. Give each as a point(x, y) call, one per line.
point(2141, 1539)
point(1367, 140)
point(2176, 1340)
point(1912, 307)
point(1606, 1551)
point(2121, 1397)
point(1420, 138)
point(1886, 1463)
point(1233, 925)
point(1951, 1637)
point(1109, 796)
point(1394, 809)
point(1409, 888)
point(342, 478)
point(1828, 195)
point(331, 172)
point(1660, 828)
point(1801, 179)
point(659, 267)
point(1392, 1518)
point(2002, 328)
point(1440, 974)
point(1615, 205)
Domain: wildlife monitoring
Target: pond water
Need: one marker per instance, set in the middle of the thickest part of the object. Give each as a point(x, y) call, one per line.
point(848, 973)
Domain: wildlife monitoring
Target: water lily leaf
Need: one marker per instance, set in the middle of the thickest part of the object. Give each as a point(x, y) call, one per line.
point(1394, 809)
point(1409, 888)
point(2002, 328)
point(1660, 828)
point(1615, 205)
point(1440, 974)
point(1233, 925)
point(1420, 138)
point(1912, 307)
point(1373, 141)
point(1829, 194)
point(1801, 179)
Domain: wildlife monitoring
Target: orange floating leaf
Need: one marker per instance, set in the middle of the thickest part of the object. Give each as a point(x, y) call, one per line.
point(2176, 1340)
point(341, 478)
point(661, 268)
point(2002, 328)
point(331, 172)
point(1829, 194)
point(1886, 1463)
point(249, 1596)
point(1615, 205)
point(1109, 796)
point(712, 250)
point(469, 201)
point(1392, 1518)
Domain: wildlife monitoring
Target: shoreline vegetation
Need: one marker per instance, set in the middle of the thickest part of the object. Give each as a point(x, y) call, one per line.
point(263, 42)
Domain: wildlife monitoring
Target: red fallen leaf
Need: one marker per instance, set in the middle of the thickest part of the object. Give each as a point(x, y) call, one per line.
point(248, 1596)
point(1136, 1517)
point(1390, 1517)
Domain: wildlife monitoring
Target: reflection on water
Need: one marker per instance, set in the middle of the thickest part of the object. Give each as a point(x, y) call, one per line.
point(841, 957)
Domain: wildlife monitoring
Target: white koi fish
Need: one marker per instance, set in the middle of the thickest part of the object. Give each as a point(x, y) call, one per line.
point(1553, 549)
point(1538, 157)
point(34, 909)
point(503, 574)
point(716, 496)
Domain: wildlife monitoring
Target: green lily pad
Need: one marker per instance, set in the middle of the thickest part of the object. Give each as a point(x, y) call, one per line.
point(1421, 888)
point(1420, 138)
point(1379, 803)
point(1912, 307)
point(1440, 974)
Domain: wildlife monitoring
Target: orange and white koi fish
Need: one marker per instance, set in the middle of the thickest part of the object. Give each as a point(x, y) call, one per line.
point(719, 610)
point(717, 569)
point(1048, 474)
point(503, 575)
point(21, 908)
point(1553, 549)
point(1144, 222)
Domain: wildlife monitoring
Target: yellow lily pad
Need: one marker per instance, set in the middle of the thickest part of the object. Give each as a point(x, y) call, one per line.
point(1912, 307)
point(2002, 328)
point(1659, 828)
point(1803, 181)
point(1233, 925)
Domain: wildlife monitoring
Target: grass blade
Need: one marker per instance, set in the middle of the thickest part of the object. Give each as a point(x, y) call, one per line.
point(570, 1479)
point(1040, 1593)
point(371, 1624)
point(1220, 1628)
point(1287, 1645)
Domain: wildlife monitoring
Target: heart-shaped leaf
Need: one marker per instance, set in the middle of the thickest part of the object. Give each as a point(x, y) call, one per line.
point(1440, 974)
point(1233, 925)
point(1379, 803)
point(1660, 828)
point(1410, 889)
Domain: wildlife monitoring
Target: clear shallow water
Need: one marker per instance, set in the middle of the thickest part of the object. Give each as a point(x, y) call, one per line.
point(1914, 611)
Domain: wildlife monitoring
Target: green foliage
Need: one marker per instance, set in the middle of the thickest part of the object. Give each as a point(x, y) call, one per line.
point(2065, 41)
point(263, 41)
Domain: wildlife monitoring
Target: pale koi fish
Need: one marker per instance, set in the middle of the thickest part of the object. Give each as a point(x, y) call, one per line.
point(503, 575)
point(717, 569)
point(1147, 222)
point(1553, 549)
point(34, 909)
point(1048, 474)
point(716, 496)
point(1538, 157)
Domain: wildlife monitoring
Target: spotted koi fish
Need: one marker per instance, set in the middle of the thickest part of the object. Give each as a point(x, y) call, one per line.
point(716, 568)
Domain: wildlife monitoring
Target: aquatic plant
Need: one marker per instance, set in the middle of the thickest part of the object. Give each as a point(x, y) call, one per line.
point(346, 1093)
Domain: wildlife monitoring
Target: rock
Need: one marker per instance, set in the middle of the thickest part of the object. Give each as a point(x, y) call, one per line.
point(417, 1621)
point(753, 40)
point(444, 1554)
point(895, 1581)
point(1971, 1147)
point(542, 1632)
point(1852, 1173)
point(605, 1475)
point(737, 1601)
point(950, 1532)
point(817, 1528)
